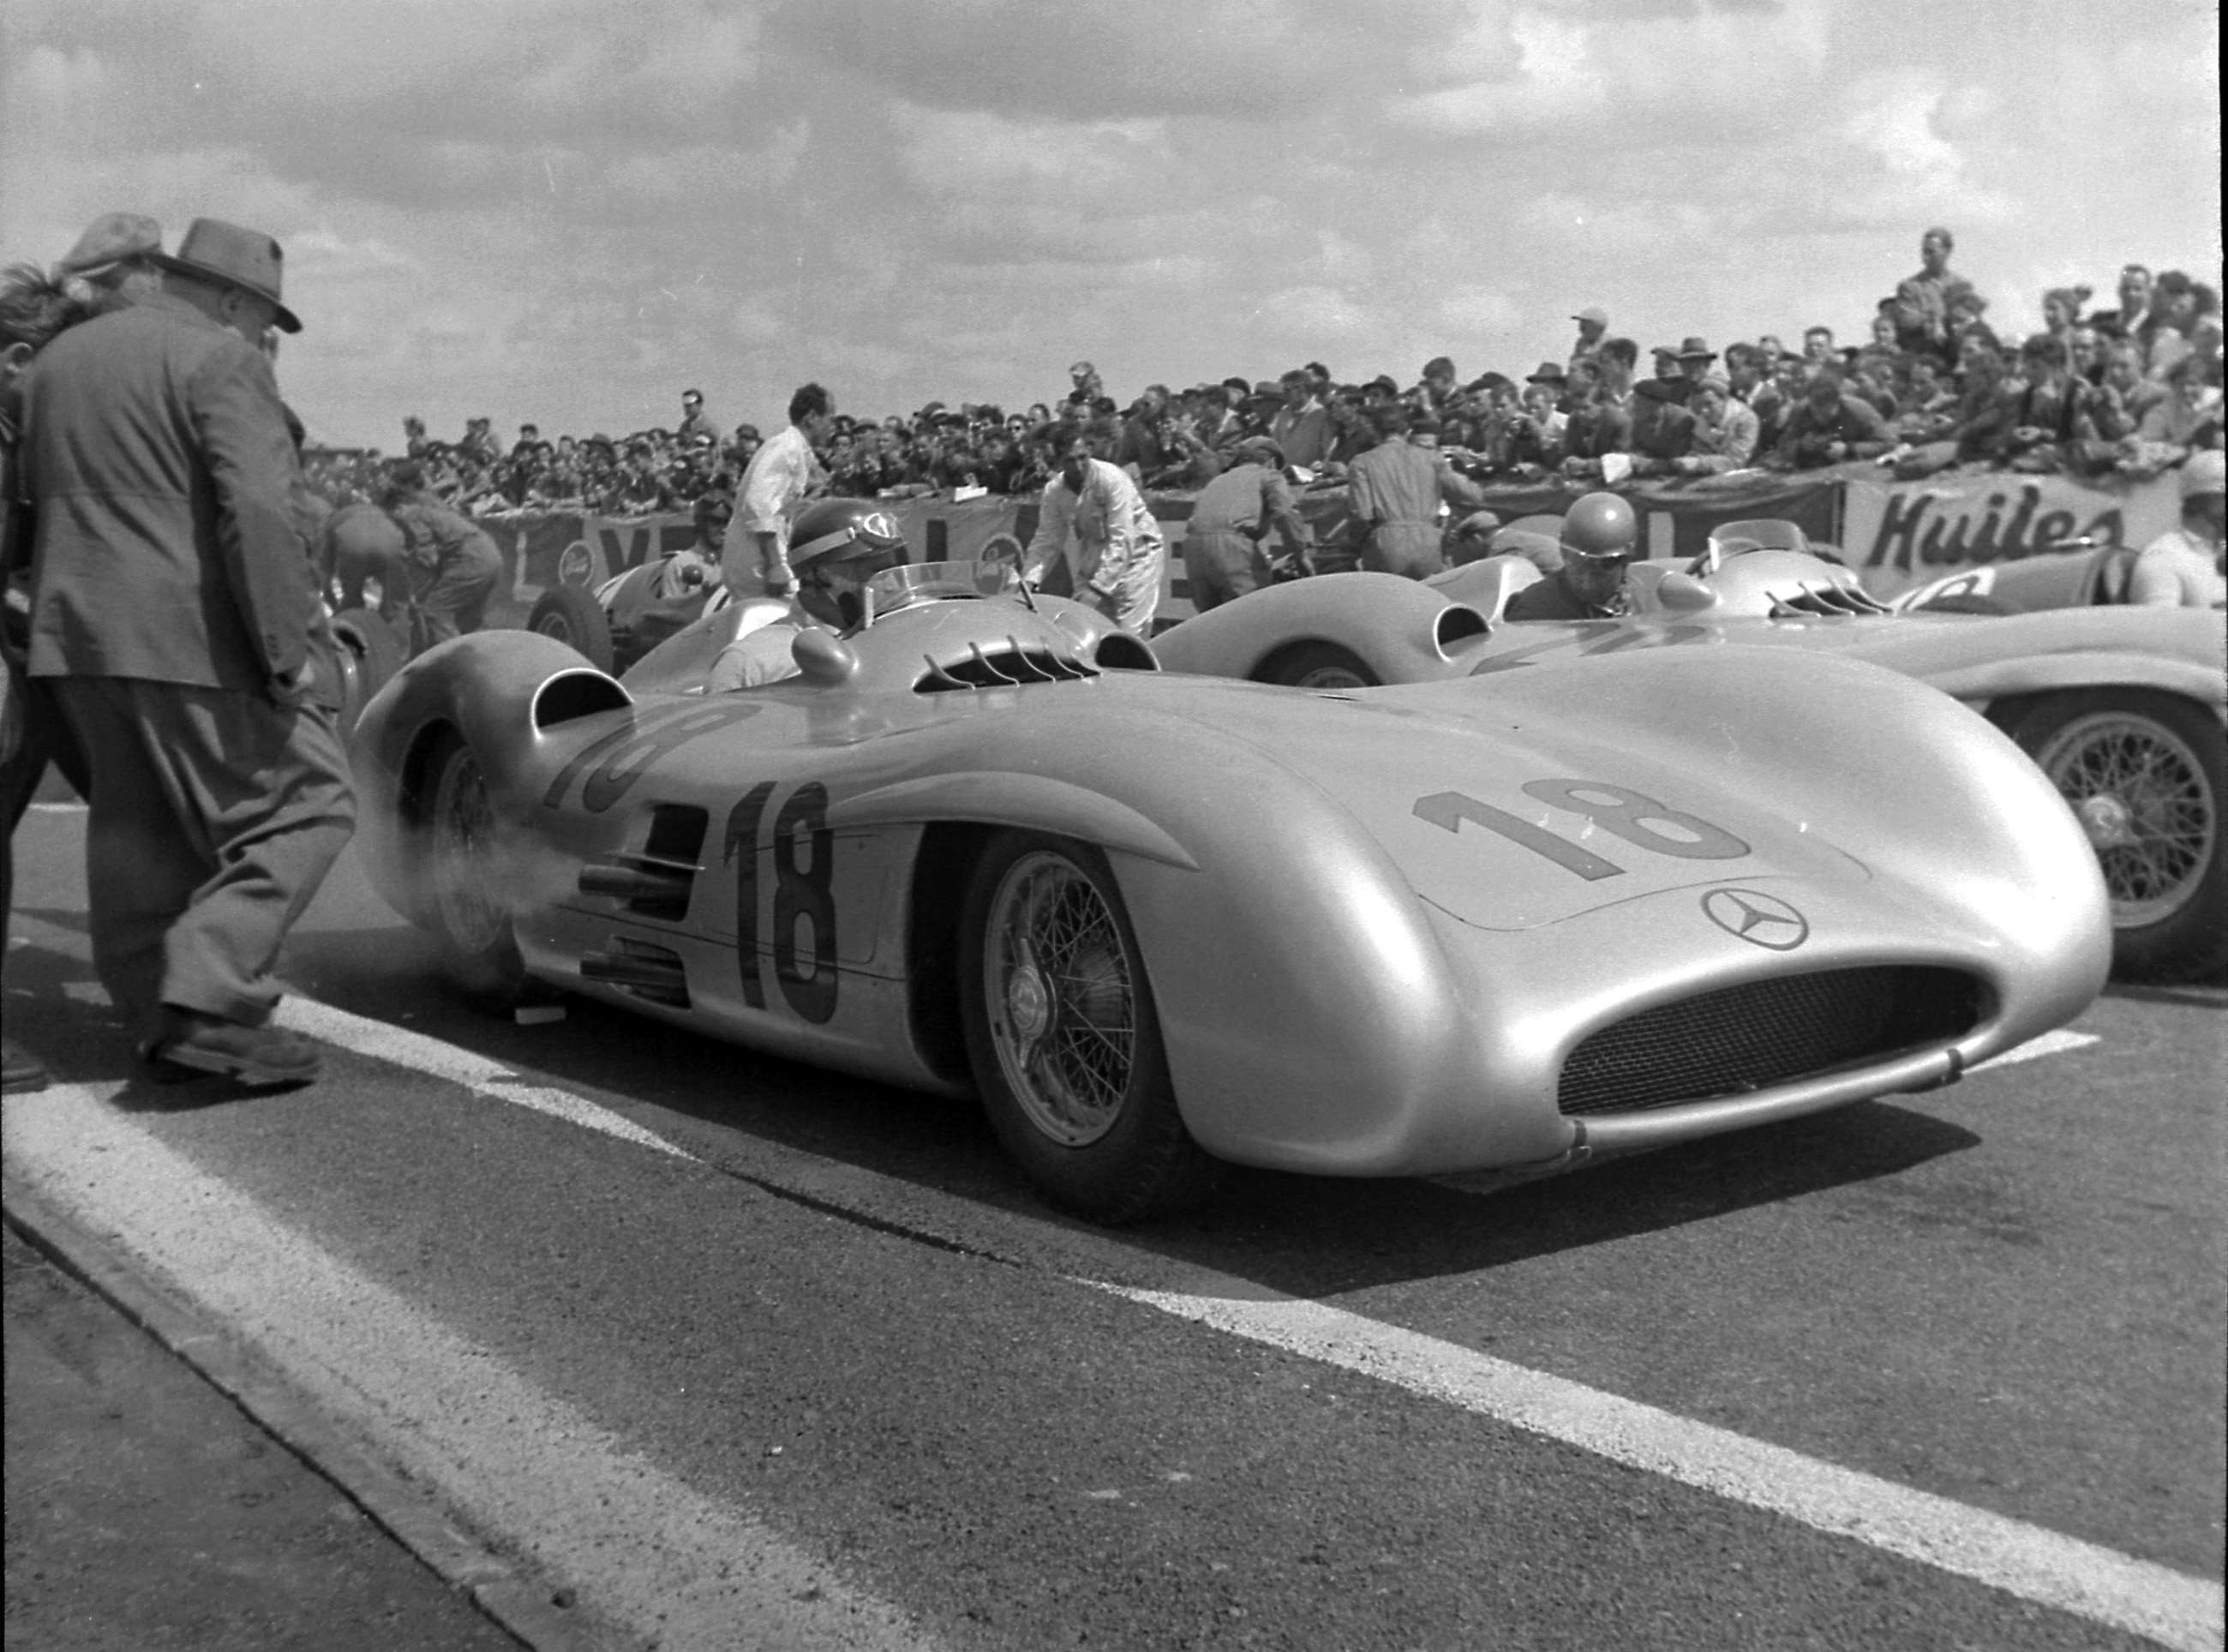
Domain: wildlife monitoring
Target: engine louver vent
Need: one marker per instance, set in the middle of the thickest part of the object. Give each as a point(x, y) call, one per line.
point(1003, 668)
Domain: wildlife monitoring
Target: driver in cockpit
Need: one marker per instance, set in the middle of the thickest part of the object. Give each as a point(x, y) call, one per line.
point(835, 546)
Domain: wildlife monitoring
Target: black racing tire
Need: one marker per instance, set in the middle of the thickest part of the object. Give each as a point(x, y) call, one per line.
point(1323, 666)
point(465, 862)
point(2144, 770)
point(1066, 1052)
point(368, 654)
point(574, 618)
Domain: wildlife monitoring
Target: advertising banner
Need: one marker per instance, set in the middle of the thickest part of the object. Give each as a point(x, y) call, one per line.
point(1897, 534)
point(1901, 534)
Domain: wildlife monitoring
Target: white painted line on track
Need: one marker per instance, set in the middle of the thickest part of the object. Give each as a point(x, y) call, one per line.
point(2060, 1042)
point(2048, 1568)
point(2037, 1564)
point(383, 1041)
point(645, 1548)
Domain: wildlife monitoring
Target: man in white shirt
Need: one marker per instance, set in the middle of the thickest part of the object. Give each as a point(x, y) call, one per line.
point(2182, 569)
point(1121, 554)
point(781, 473)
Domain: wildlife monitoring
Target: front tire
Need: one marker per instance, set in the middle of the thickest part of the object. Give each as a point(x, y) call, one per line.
point(1062, 1038)
point(2143, 773)
point(575, 618)
point(1321, 666)
point(465, 875)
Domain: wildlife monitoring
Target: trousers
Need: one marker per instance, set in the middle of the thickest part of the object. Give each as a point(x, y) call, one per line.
point(456, 601)
point(215, 814)
point(1222, 566)
point(1404, 548)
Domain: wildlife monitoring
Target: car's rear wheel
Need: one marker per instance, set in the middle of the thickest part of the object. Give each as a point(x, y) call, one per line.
point(1319, 665)
point(369, 653)
point(2143, 773)
point(466, 875)
point(575, 618)
point(1062, 1038)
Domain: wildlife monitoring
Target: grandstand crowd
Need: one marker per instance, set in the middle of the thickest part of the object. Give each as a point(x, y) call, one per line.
point(2131, 389)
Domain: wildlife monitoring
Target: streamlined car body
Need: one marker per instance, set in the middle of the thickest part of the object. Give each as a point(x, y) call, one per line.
point(2124, 708)
point(1159, 922)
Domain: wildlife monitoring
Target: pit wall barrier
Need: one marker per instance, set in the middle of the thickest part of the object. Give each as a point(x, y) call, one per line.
point(1897, 535)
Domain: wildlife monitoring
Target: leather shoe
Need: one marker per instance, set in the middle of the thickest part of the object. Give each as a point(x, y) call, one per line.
point(256, 1056)
point(20, 1072)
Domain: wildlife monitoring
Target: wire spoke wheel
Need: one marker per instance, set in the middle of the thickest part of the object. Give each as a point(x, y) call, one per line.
point(1060, 987)
point(1063, 1037)
point(464, 871)
point(2140, 794)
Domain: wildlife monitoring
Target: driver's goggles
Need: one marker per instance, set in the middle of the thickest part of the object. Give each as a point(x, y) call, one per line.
point(1598, 558)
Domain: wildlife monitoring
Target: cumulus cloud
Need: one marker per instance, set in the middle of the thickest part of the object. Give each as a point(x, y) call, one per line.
point(566, 208)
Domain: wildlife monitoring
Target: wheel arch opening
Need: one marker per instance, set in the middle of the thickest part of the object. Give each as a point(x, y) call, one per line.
point(949, 851)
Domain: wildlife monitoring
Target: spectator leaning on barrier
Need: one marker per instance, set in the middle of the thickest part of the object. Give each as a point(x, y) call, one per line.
point(1725, 430)
point(1830, 426)
point(1232, 518)
point(174, 610)
point(780, 474)
point(1301, 427)
point(2040, 423)
point(2182, 567)
point(1120, 554)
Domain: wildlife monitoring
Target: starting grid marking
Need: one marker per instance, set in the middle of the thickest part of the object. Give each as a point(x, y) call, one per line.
point(2047, 1568)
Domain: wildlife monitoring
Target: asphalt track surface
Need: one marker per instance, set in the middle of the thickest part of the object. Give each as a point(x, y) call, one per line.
point(721, 1351)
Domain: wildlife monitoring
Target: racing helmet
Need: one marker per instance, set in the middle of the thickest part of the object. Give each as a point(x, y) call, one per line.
point(2204, 472)
point(845, 528)
point(1600, 525)
point(836, 546)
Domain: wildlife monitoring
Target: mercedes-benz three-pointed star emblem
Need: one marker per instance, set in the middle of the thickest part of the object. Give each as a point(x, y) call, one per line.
point(1765, 920)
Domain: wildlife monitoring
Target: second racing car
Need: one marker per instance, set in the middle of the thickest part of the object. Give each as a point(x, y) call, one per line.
point(2126, 709)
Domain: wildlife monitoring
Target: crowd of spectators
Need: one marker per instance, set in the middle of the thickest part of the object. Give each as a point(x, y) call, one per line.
point(2131, 390)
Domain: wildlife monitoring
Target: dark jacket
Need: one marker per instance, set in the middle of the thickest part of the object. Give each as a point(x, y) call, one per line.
point(159, 476)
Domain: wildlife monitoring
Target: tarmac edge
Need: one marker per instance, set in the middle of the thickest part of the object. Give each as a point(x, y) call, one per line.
point(530, 1606)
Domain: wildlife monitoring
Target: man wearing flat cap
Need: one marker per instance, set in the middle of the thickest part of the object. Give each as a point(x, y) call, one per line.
point(175, 613)
point(1231, 520)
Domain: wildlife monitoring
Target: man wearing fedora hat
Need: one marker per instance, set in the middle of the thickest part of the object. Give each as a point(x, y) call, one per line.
point(174, 610)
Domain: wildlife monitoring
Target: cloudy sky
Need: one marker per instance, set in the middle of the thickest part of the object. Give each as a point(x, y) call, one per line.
point(567, 210)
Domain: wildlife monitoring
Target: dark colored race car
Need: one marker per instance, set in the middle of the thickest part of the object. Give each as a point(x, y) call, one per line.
point(2124, 708)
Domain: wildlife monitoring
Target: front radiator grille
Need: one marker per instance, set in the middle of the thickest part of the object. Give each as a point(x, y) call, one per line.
point(1765, 1032)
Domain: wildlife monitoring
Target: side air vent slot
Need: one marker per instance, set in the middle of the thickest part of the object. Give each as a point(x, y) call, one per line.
point(654, 973)
point(656, 882)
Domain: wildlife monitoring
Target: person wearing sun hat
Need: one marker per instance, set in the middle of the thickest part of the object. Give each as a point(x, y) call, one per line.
point(176, 614)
